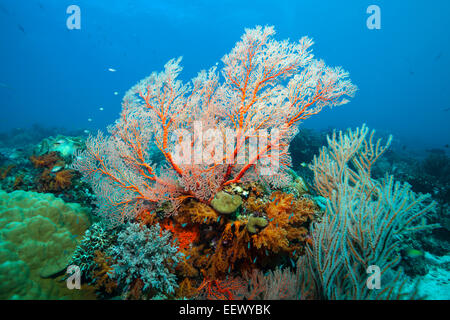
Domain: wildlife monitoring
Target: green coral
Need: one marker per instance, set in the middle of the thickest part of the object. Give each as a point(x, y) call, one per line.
point(254, 224)
point(226, 203)
point(38, 234)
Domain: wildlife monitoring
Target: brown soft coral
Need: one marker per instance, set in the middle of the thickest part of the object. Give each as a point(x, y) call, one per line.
point(51, 178)
point(101, 272)
point(54, 182)
point(186, 289)
point(47, 160)
point(4, 171)
point(255, 204)
point(198, 212)
point(232, 251)
point(286, 230)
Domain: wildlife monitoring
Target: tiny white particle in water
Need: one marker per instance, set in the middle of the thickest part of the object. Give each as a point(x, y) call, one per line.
point(86, 131)
point(89, 119)
point(112, 70)
point(101, 109)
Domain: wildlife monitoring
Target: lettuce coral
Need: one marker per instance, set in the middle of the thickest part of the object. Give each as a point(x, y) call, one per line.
point(38, 234)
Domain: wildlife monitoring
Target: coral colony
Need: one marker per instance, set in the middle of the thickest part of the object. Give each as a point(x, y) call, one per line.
point(194, 180)
point(195, 197)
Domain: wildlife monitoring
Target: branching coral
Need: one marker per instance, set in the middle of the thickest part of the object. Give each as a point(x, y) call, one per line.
point(146, 254)
point(363, 221)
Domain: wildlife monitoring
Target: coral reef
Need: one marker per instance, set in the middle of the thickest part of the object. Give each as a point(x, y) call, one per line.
point(183, 219)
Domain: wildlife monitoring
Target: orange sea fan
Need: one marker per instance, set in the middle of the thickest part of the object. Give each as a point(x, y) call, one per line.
point(227, 289)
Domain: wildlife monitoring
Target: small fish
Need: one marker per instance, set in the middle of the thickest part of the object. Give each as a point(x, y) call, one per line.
point(446, 146)
point(21, 28)
point(116, 93)
point(86, 131)
point(56, 168)
point(3, 9)
point(89, 119)
point(413, 253)
point(112, 70)
point(446, 109)
point(183, 225)
point(438, 56)
point(101, 109)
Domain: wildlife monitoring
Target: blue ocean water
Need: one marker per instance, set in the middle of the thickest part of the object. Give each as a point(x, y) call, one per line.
point(54, 76)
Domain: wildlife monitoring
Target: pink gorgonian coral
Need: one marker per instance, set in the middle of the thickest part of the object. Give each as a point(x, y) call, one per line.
point(211, 131)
